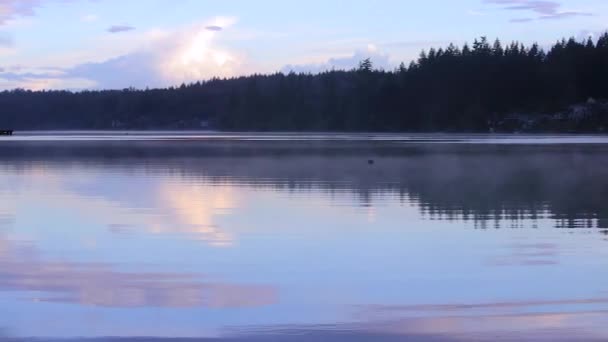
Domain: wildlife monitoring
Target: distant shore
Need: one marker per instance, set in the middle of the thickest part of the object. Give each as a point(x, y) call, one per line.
point(478, 88)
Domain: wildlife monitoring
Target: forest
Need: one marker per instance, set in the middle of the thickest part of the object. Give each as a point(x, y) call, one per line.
point(486, 86)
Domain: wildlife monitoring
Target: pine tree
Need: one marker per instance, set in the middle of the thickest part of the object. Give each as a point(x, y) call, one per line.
point(497, 49)
point(366, 65)
point(402, 68)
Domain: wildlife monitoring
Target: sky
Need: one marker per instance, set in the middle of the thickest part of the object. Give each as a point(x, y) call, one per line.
point(116, 44)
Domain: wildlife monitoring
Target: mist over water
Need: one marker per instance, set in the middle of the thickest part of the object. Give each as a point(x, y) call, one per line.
point(295, 237)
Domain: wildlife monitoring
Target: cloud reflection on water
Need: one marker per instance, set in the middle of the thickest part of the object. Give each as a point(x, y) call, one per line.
point(193, 208)
point(407, 251)
point(22, 268)
point(165, 207)
point(176, 209)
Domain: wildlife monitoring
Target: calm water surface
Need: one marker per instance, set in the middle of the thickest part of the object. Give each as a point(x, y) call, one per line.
point(298, 237)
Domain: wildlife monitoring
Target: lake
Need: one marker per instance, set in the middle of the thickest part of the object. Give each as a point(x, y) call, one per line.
point(293, 237)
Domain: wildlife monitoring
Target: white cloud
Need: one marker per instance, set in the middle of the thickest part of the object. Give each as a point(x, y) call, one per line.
point(158, 58)
point(346, 62)
point(196, 54)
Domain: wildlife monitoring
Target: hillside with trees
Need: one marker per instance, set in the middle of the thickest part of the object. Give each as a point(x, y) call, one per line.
point(485, 86)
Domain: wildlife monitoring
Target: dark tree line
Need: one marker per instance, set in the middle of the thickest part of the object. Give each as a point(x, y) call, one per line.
point(478, 87)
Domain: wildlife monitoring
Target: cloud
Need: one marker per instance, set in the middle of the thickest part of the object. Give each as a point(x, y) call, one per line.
point(544, 10)
point(380, 61)
point(137, 69)
point(196, 54)
point(162, 58)
point(564, 15)
point(46, 83)
point(120, 28)
point(214, 28)
point(541, 7)
point(10, 9)
point(17, 76)
point(521, 20)
point(11, 68)
point(586, 34)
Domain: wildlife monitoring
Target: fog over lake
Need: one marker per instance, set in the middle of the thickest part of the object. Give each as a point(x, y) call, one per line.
point(293, 237)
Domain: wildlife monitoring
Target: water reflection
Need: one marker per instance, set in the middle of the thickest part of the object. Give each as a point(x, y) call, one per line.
point(488, 184)
point(525, 327)
point(160, 207)
point(194, 208)
point(255, 240)
point(23, 269)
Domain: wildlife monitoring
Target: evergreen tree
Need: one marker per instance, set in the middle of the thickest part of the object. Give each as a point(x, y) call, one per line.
point(447, 89)
point(366, 65)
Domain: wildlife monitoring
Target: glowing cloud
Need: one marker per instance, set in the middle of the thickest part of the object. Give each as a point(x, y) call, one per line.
point(162, 58)
point(197, 55)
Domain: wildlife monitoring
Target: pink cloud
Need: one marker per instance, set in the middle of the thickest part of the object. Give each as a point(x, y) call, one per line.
point(10, 9)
